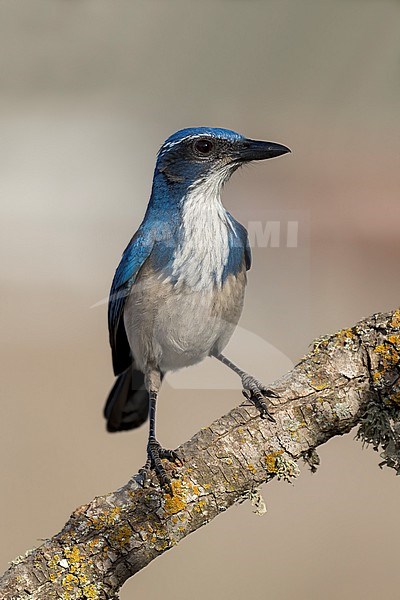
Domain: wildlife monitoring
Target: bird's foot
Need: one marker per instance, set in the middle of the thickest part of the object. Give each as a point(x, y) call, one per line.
point(155, 454)
point(258, 394)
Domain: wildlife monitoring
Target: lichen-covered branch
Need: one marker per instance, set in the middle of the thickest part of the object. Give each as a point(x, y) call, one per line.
point(350, 378)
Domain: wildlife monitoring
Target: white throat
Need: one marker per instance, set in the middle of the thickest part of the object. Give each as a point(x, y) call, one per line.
point(200, 260)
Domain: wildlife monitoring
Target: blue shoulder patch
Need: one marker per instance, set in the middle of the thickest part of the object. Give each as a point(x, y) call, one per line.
point(247, 249)
point(239, 248)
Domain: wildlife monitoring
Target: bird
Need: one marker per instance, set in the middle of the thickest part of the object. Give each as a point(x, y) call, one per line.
point(178, 291)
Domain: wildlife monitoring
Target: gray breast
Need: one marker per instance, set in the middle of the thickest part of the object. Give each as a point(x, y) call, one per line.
point(174, 326)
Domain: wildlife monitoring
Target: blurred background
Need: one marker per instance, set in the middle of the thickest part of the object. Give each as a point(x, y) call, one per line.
point(89, 91)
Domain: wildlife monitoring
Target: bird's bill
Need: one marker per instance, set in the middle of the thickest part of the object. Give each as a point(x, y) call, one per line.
point(257, 150)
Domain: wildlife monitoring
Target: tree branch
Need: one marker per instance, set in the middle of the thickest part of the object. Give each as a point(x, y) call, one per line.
point(350, 378)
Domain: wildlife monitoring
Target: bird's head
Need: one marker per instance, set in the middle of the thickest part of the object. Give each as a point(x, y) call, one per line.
point(203, 154)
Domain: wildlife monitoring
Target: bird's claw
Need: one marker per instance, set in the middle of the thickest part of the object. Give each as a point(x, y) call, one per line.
point(257, 393)
point(155, 454)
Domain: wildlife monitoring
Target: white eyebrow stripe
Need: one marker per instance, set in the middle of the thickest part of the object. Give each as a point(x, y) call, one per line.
point(168, 145)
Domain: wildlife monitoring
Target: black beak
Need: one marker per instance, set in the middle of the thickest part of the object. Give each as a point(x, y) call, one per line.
point(255, 150)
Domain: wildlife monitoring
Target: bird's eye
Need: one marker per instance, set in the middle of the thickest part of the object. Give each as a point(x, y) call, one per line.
point(203, 147)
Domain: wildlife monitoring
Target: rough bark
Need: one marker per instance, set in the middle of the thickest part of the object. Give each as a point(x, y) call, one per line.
point(349, 378)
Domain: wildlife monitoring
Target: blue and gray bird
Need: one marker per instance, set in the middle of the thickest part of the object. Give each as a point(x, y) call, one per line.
point(178, 291)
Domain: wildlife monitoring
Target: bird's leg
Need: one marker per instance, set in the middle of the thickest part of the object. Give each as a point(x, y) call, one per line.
point(155, 452)
point(253, 390)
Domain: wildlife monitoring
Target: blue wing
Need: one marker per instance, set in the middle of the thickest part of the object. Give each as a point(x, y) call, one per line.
point(239, 248)
point(247, 250)
point(133, 258)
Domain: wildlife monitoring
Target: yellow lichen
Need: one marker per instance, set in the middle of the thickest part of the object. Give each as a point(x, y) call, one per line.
point(93, 543)
point(73, 555)
point(395, 322)
point(77, 579)
point(282, 467)
point(176, 502)
point(53, 562)
point(199, 506)
point(183, 491)
point(70, 581)
point(318, 344)
point(251, 468)
point(163, 545)
point(271, 461)
point(293, 427)
point(394, 339)
point(388, 356)
point(54, 567)
point(121, 535)
point(90, 592)
point(107, 519)
point(345, 336)
point(318, 384)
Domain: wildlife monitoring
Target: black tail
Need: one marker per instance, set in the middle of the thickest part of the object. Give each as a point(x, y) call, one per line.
point(127, 404)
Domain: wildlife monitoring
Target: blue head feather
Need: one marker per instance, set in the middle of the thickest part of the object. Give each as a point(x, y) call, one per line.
point(179, 166)
point(192, 132)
